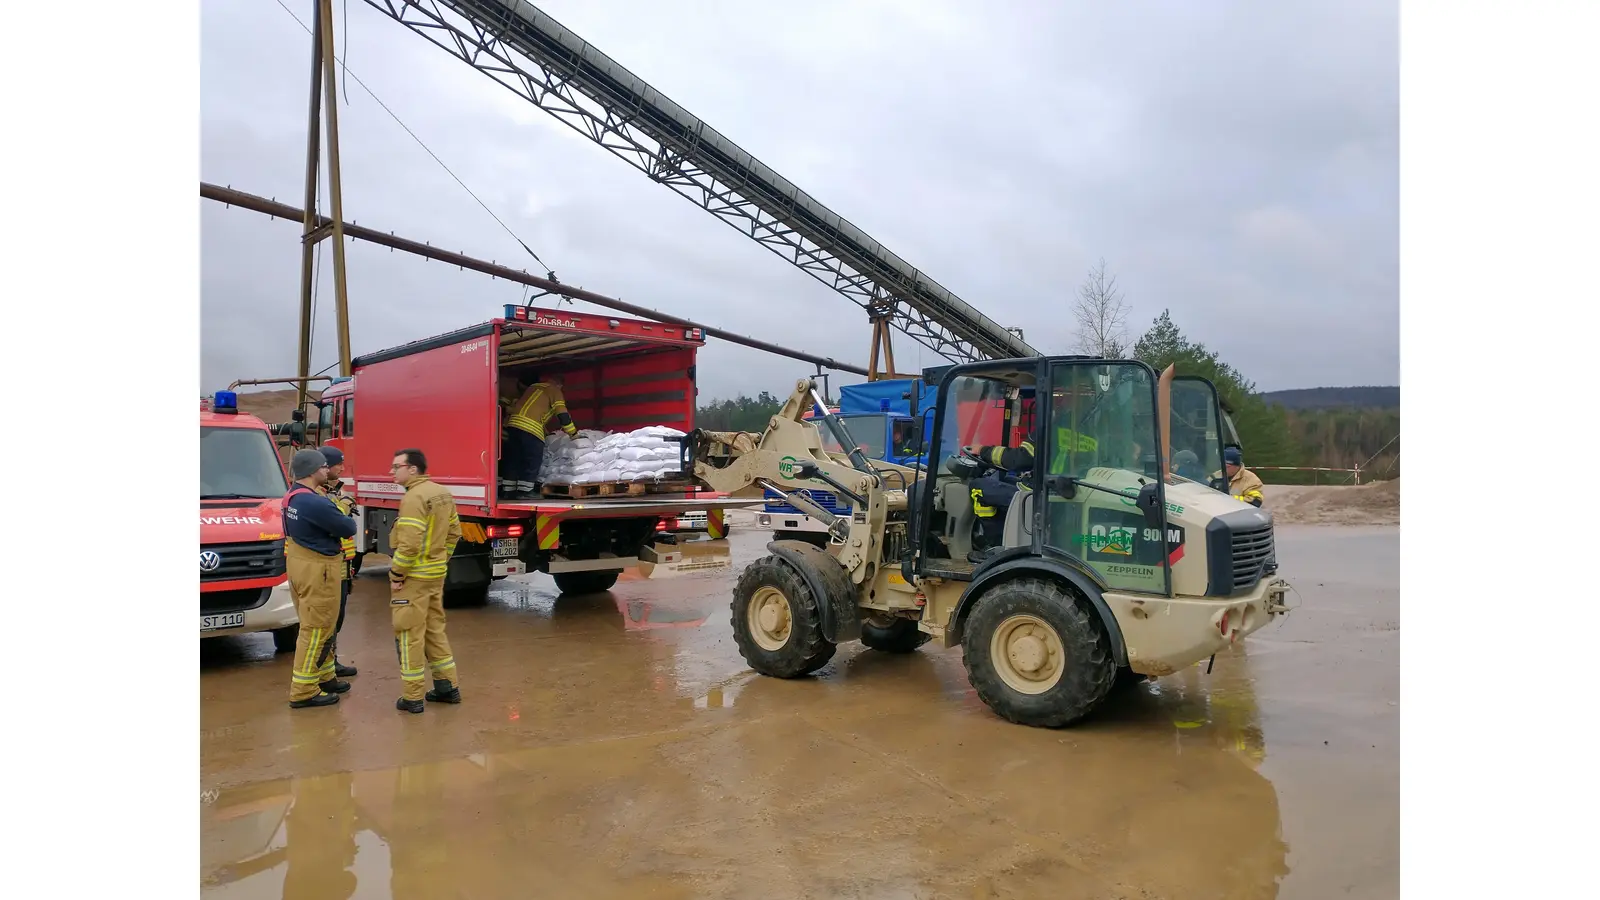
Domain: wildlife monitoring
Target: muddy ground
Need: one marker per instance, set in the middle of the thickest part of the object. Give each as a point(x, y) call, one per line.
point(616, 746)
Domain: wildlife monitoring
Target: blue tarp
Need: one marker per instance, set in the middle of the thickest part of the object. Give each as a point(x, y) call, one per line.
point(855, 399)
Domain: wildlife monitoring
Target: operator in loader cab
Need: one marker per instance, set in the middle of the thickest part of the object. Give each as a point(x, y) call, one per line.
point(1242, 483)
point(527, 425)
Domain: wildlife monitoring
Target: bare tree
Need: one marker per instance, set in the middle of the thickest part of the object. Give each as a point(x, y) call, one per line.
point(1101, 314)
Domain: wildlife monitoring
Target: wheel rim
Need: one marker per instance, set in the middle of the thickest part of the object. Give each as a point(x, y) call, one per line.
point(770, 621)
point(1028, 654)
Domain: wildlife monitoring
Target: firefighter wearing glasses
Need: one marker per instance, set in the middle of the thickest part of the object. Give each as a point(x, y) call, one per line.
point(423, 538)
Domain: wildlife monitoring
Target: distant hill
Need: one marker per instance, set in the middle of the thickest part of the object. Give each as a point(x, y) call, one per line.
point(1336, 398)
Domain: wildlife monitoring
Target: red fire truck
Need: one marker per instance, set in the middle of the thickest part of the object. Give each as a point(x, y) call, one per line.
point(440, 395)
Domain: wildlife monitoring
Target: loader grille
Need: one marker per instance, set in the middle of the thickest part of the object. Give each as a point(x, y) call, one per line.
point(1252, 554)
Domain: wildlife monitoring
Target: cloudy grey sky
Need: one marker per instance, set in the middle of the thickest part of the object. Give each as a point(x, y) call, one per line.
point(1236, 162)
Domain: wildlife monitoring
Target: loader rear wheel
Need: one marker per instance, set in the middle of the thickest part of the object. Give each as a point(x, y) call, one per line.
point(1037, 655)
point(899, 636)
point(777, 621)
point(585, 582)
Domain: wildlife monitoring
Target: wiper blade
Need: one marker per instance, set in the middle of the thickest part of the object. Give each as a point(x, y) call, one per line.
point(234, 497)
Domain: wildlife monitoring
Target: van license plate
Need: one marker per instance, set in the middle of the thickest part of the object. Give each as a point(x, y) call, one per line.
point(505, 547)
point(223, 620)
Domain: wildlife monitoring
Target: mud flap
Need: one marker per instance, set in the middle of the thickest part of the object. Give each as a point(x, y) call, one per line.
point(828, 582)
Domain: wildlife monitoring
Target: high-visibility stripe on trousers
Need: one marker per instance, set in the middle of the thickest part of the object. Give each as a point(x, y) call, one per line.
point(314, 580)
point(417, 614)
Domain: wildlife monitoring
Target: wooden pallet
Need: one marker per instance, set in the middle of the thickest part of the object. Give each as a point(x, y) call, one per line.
point(616, 489)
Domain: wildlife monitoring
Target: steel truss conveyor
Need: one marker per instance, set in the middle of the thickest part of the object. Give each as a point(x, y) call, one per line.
point(526, 50)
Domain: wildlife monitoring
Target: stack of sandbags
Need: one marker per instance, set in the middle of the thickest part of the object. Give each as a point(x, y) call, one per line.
point(595, 457)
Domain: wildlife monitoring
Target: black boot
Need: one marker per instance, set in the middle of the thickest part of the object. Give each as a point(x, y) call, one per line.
point(319, 700)
point(443, 692)
point(342, 670)
point(335, 686)
point(410, 706)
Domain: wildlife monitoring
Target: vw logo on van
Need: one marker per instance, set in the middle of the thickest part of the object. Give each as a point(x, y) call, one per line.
point(209, 560)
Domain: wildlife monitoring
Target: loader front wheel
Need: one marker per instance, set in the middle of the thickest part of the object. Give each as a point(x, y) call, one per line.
point(777, 621)
point(1036, 655)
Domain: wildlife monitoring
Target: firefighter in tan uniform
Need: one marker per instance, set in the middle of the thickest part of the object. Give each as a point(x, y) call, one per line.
point(312, 528)
point(423, 537)
point(333, 489)
point(1243, 484)
point(527, 424)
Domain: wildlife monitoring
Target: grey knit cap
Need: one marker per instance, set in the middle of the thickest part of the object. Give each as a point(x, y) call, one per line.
point(305, 463)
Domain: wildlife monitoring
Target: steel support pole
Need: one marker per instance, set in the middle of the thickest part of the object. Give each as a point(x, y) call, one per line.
point(335, 193)
point(308, 246)
point(278, 210)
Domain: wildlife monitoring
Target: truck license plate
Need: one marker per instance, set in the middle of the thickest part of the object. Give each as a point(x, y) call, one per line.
point(505, 547)
point(222, 620)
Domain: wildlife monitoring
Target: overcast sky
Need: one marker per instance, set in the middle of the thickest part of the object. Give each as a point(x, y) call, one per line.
point(1236, 162)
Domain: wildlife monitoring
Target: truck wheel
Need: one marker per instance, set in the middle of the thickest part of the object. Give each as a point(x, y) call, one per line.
point(899, 636)
point(283, 638)
point(777, 623)
point(1037, 656)
point(585, 582)
point(467, 595)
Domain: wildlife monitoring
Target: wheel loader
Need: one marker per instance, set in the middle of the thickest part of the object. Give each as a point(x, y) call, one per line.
point(1107, 567)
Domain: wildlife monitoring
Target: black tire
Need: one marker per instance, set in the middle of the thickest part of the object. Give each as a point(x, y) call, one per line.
point(900, 637)
point(1086, 668)
point(804, 649)
point(585, 582)
point(355, 564)
point(283, 638)
point(466, 596)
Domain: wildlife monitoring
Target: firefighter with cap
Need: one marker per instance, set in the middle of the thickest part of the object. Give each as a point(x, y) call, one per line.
point(313, 527)
point(1244, 484)
point(527, 425)
point(333, 489)
point(424, 536)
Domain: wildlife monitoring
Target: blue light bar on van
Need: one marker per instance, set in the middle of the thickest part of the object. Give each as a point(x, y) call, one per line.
point(225, 402)
point(883, 405)
point(342, 379)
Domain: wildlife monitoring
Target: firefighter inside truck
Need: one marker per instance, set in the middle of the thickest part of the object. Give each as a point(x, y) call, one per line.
point(526, 419)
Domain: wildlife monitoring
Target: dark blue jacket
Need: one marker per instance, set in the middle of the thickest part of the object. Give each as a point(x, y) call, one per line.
point(314, 522)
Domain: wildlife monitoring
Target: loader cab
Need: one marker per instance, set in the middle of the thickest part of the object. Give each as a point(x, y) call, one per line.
point(1095, 497)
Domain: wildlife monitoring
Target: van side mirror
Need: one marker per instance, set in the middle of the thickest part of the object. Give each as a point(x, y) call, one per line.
point(1149, 503)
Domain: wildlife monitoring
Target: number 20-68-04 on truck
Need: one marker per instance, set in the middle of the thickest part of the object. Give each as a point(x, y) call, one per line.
point(441, 395)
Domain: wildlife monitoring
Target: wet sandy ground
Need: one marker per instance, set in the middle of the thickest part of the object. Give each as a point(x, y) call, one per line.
point(616, 746)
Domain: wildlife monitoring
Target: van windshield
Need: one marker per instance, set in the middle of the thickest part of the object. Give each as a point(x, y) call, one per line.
point(239, 463)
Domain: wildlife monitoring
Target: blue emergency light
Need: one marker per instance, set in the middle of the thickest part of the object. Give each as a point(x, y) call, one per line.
point(225, 402)
point(342, 379)
point(883, 405)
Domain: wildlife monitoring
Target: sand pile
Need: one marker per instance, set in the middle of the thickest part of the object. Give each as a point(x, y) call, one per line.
point(1368, 504)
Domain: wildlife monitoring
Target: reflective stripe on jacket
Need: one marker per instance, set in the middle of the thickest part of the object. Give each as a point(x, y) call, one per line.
point(1068, 441)
point(1246, 486)
point(335, 492)
point(537, 406)
point(425, 534)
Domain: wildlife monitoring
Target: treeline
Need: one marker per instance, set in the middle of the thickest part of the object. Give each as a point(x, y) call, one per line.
point(739, 414)
point(1341, 437)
